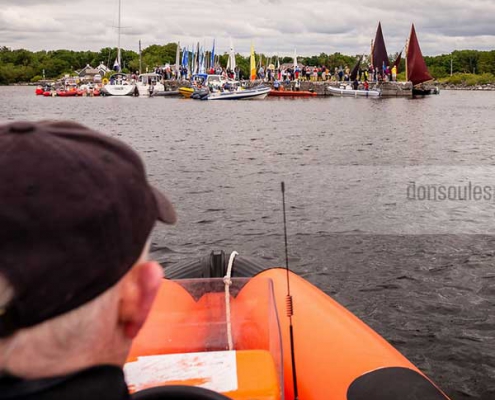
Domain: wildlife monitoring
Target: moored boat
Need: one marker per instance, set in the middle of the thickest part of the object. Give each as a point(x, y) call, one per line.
point(119, 85)
point(68, 92)
point(291, 93)
point(233, 336)
point(186, 91)
point(200, 93)
point(166, 93)
point(349, 92)
point(255, 93)
point(200, 82)
point(416, 70)
point(421, 90)
point(149, 83)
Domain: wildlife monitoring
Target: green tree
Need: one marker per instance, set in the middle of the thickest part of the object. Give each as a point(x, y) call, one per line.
point(23, 65)
point(486, 62)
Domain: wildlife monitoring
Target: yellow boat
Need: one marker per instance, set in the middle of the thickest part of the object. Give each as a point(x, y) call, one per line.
point(232, 337)
point(186, 91)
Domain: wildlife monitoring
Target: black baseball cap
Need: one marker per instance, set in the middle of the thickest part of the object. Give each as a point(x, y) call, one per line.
point(76, 210)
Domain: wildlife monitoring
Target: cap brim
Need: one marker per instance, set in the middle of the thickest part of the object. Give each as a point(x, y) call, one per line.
point(166, 211)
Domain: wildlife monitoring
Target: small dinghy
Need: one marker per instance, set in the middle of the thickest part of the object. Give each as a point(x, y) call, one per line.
point(186, 91)
point(292, 93)
point(166, 93)
point(348, 91)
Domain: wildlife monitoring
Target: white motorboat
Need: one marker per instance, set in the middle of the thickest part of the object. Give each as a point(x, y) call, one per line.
point(119, 85)
point(150, 83)
point(348, 91)
point(256, 93)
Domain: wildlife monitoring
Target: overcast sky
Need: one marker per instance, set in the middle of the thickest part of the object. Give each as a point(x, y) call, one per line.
point(274, 26)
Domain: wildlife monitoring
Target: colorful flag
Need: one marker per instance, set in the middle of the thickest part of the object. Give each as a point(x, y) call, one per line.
point(116, 64)
point(184, 57)
point(202, 68)
point(252, 65)
point(212, 60)
point(193, 61)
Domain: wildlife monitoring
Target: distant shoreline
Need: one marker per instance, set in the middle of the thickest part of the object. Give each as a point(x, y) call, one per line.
point(448, 86)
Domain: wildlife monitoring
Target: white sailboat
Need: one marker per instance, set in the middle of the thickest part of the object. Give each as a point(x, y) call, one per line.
point(119, 84)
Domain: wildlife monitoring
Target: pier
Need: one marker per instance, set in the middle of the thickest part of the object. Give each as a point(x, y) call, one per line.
point(389, 89)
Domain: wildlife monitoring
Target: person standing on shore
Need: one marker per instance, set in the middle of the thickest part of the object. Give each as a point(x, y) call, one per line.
point(394, 73)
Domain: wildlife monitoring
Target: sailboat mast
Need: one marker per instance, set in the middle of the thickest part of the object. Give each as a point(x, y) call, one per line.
point(118, 40)
point(140, 58)
point(407, 59)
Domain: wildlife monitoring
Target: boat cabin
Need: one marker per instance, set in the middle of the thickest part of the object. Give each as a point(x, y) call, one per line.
point(212, 81)
point(119, 79)
point(149, 78)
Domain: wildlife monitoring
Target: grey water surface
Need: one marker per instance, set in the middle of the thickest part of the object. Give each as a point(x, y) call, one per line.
point(390, 203)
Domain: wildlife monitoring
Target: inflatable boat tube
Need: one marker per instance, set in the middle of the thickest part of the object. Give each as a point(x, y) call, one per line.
point(214, 265)
point(232, 335)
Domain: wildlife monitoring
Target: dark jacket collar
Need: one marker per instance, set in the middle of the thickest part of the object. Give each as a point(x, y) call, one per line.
point(101, 382)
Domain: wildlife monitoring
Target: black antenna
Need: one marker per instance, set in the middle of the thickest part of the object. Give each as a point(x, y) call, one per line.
point(290, 306)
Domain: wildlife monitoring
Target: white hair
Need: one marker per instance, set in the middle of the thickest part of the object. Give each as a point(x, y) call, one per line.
point(77, 333)
point(79, 338)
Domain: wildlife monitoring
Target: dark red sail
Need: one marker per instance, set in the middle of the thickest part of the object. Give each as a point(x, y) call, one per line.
point(355, 70)
point(380, 56)
point(397, 61)
point(417, 71)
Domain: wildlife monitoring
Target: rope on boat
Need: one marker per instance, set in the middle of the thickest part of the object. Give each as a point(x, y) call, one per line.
point(228, 282)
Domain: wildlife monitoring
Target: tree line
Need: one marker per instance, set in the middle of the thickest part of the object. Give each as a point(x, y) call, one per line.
point(22, 65)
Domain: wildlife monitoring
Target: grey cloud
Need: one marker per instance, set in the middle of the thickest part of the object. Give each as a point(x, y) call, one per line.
point(12, 21)
point(27, 3)
point(273, 25)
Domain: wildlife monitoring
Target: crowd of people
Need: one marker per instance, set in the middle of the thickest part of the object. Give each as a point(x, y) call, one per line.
point(323, 73)
point(287, 73)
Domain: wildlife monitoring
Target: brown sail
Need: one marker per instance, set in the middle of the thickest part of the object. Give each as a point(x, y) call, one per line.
point(417, 71)
point(397, 61)
point(355, 70)
point(379, 53)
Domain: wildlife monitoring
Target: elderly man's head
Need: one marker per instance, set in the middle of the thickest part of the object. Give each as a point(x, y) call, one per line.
point(76, 212)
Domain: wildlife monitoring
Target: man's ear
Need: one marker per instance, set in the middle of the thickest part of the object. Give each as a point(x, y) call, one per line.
point(139, 289)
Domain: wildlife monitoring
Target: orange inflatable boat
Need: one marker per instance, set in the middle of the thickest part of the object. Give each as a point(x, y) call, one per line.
point(233, 336)
point(292, 93)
